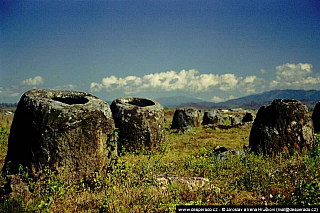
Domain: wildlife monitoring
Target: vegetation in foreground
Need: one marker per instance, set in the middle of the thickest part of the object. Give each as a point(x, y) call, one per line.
point(130, 187)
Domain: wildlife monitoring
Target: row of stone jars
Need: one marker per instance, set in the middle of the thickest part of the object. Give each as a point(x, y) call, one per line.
point(73, 132)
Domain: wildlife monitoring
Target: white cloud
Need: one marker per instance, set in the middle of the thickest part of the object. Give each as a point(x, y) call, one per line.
point(205, 81)
point(251, 84)
point(190, 80)
point(290, 72)
point(311, 80)
point(96, 87)
point(295, 76)
point(287, 76)
point(217, 99)
point(38, 80)
point(228, 82)
point(108, 82)
point(112, 83)
point(249, 79)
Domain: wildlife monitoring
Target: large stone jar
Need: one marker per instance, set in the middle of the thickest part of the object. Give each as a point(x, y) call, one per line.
point(213, 117)
point(140, 122)
point(186, 117)
point(282, 126)
point(68, 131)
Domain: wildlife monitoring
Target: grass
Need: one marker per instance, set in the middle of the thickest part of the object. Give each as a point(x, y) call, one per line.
point(252, 180)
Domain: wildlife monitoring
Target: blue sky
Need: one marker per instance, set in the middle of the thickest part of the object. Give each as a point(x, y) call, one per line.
point(213, 50)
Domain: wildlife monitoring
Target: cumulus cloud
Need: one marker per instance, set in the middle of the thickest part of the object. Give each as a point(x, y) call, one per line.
point(38, 80)
point(190, 80)
point(249, 79)
point(251, 84)
point(290, 72)
point(228, 81)
point(217, 99)
point(169, 81)
point(295, 76)
point(96, 87)
point(287, 76)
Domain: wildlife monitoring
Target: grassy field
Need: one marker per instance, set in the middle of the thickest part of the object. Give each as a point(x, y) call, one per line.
point(130, 187)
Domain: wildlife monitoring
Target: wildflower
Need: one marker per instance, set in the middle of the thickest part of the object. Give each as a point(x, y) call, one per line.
point(262, 198)
point(271, 196)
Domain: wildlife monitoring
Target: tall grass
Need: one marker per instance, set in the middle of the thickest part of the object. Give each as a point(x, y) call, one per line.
point(130, 186)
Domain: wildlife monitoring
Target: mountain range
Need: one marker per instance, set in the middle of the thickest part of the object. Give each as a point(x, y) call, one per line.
point(308, 97)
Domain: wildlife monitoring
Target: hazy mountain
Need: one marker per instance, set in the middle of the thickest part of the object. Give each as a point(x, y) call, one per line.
point(302, 95)
point(308, 97)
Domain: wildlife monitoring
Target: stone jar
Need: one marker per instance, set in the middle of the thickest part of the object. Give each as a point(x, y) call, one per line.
point(212, 117)
point(140, 122)
point(69, 132)
point(282, 126)
point(185, 117)
point(248, 117)
point(235, 120)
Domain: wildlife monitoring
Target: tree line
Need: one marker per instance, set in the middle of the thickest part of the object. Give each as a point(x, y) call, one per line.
point(8, 105)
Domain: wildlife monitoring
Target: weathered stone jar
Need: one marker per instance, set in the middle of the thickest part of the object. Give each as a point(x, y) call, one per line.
point(185, 117)
point(236, 120)
point(140, 122)
point(282, 126)
point(212, 117)
point(248, 117)
point(68, 131)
